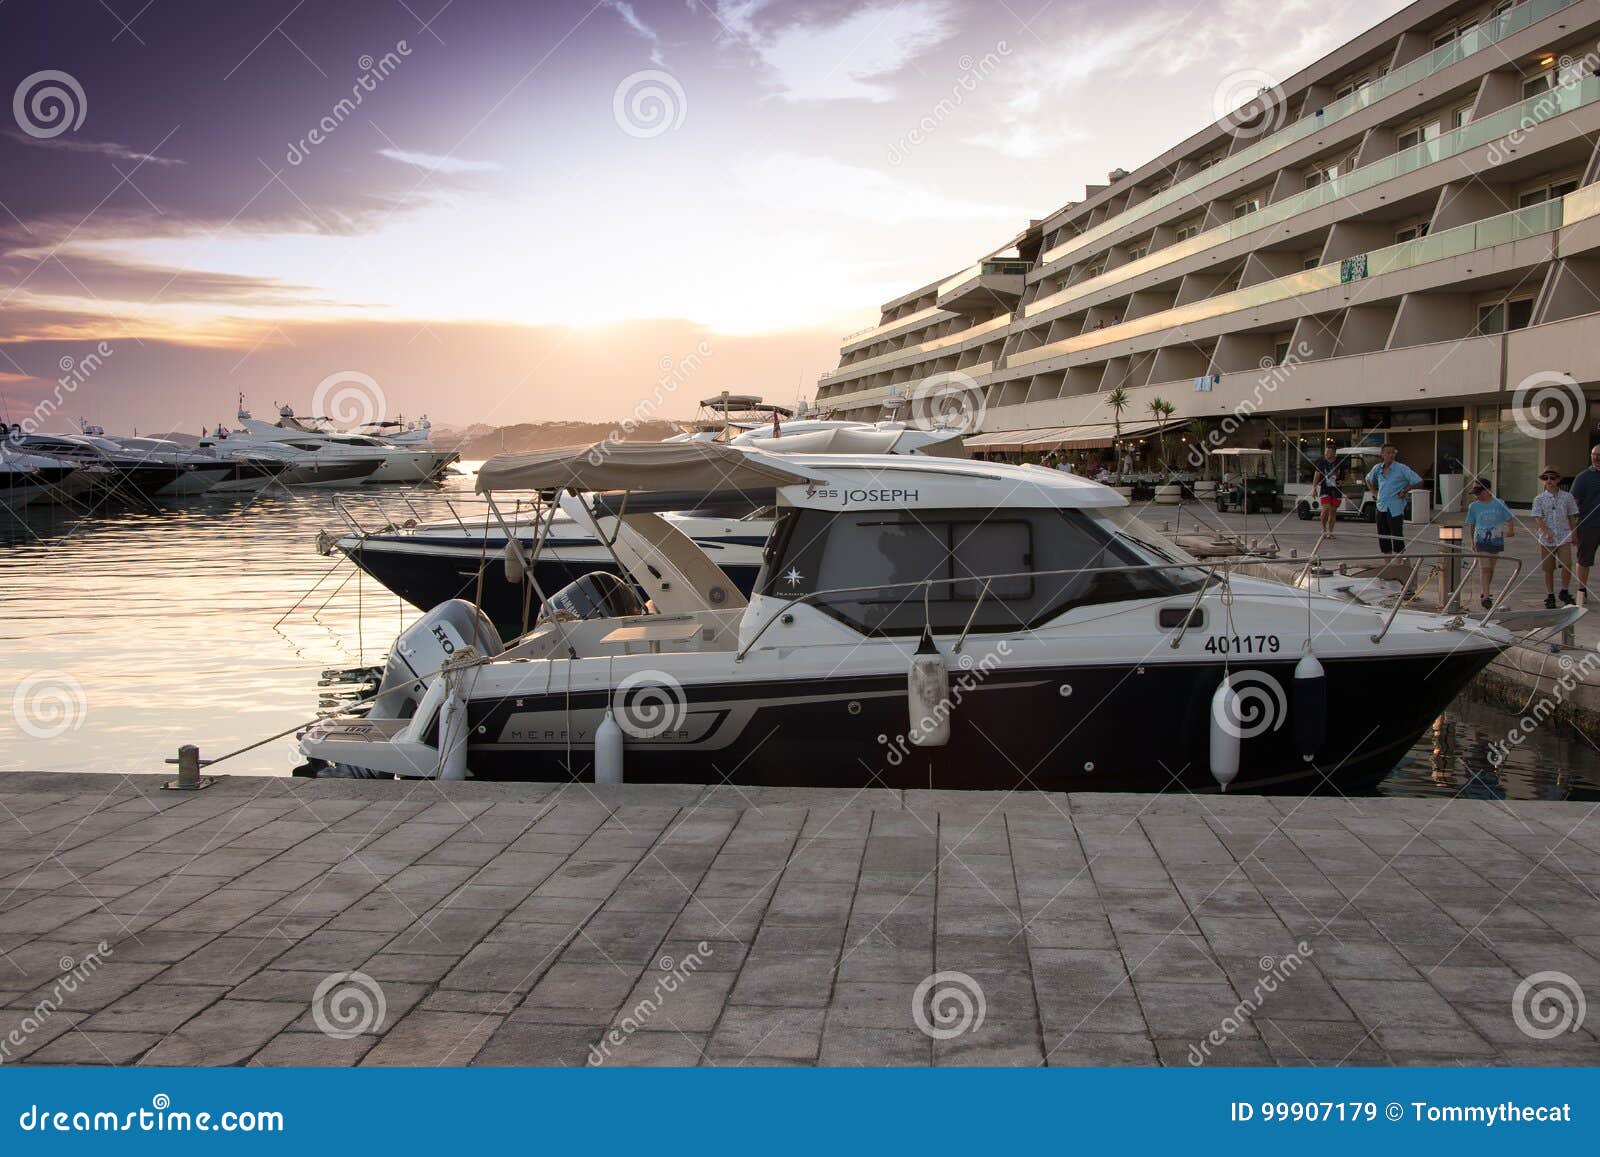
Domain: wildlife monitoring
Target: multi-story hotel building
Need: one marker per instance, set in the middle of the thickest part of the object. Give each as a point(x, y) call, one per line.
point(1402, 239)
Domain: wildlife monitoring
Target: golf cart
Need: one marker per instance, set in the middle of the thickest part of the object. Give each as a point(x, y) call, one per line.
point(1245, 484)
point(1357, 501)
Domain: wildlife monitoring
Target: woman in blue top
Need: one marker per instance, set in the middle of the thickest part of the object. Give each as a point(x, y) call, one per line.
point(1489, 522)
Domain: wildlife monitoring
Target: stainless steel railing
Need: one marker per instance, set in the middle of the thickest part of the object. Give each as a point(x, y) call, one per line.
point(1216, 574)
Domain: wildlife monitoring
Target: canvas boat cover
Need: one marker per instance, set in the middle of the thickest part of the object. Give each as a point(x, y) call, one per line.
point(700, 466)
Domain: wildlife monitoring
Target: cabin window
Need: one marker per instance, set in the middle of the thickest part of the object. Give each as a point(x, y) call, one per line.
point(891, 554)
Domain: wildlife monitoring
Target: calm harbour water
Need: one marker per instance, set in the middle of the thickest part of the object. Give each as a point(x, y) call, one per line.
point(214, 621)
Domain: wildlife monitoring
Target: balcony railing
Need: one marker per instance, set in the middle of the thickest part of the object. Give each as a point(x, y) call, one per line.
point(1520, 223)
point(929, 346)
point(1476, 134)
point(924, 316)
point(1468, 44)
point(900, 391)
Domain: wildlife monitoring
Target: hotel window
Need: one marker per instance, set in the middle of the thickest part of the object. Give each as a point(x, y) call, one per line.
point(1411, 232)
point(1416, 135)
point(1534, 85)
point(1187, 230)
point(1246, 207)
point(1546, 193)
point(1351, 86)
point(1505, 315)
point(1461, 116)
point(1311, 261)
point(1321, 175)
point(1137, 252)
point(1280, 351)
point(1093, 271)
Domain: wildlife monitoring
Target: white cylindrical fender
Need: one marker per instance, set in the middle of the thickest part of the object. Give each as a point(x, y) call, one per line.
point(1224, 734)
point(1310, 706)
point(928, 696)
point(608, 750)
point(516, 566)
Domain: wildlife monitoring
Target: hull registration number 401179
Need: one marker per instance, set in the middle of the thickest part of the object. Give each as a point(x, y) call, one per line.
point(1243, 644)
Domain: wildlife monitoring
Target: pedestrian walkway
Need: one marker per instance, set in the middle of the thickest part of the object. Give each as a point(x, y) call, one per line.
point(270, 921)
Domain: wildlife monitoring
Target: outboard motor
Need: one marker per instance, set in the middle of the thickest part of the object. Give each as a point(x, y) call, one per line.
point(426, 645)
point(596, 595)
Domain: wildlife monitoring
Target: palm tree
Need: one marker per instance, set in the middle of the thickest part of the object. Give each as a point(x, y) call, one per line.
point(1161, 410)
point(1117, 399)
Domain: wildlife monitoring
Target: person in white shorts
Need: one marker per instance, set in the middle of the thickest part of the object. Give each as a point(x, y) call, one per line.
point(1556, 512)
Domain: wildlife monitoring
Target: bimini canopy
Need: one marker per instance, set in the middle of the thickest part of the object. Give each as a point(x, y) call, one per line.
point(860, 440)
point(702, 466)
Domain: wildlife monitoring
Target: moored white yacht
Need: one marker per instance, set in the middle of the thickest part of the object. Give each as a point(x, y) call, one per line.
point(260, 461)
point(198, 472)
point(104, 467)
point(728, 415)
point(32, 478)
point(394, 463)
point(917, 622)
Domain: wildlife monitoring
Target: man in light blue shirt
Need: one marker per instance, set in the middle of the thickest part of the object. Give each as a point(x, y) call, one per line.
point(1392, 480)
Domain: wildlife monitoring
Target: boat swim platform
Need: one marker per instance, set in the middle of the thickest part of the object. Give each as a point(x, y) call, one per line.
point(274, 921)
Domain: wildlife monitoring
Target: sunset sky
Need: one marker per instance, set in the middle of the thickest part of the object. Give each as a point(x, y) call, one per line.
point(533, 208)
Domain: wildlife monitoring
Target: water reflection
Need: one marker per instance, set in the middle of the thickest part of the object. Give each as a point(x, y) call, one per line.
point(214, 621)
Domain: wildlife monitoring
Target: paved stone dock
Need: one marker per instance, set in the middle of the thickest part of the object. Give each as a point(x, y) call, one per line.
point(513, 924)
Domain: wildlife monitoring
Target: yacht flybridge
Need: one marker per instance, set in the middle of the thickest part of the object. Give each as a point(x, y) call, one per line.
point(916, 622)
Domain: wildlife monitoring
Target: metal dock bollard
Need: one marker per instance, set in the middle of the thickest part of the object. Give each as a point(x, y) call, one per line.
point(189, 765)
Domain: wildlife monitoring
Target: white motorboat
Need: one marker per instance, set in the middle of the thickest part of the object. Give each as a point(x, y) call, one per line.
point(394, 463)
point(917, 622)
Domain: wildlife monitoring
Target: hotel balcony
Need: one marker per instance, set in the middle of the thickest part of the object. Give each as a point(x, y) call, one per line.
point(1354, 116)
point(1282, 302)
point(989, 287)
point(950, 343)
point(1399, 324)
point(1402, 174)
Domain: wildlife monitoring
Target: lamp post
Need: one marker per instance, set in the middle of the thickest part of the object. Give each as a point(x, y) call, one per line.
point(1450, 536)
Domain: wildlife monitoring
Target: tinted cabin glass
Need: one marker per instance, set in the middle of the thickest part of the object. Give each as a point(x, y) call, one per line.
point(879, 561)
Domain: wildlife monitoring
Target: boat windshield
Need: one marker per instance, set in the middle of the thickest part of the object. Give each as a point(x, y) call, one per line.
point(886, 572)
point(1154, 547)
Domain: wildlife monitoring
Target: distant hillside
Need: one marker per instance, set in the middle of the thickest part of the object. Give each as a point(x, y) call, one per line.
point(480, 441)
